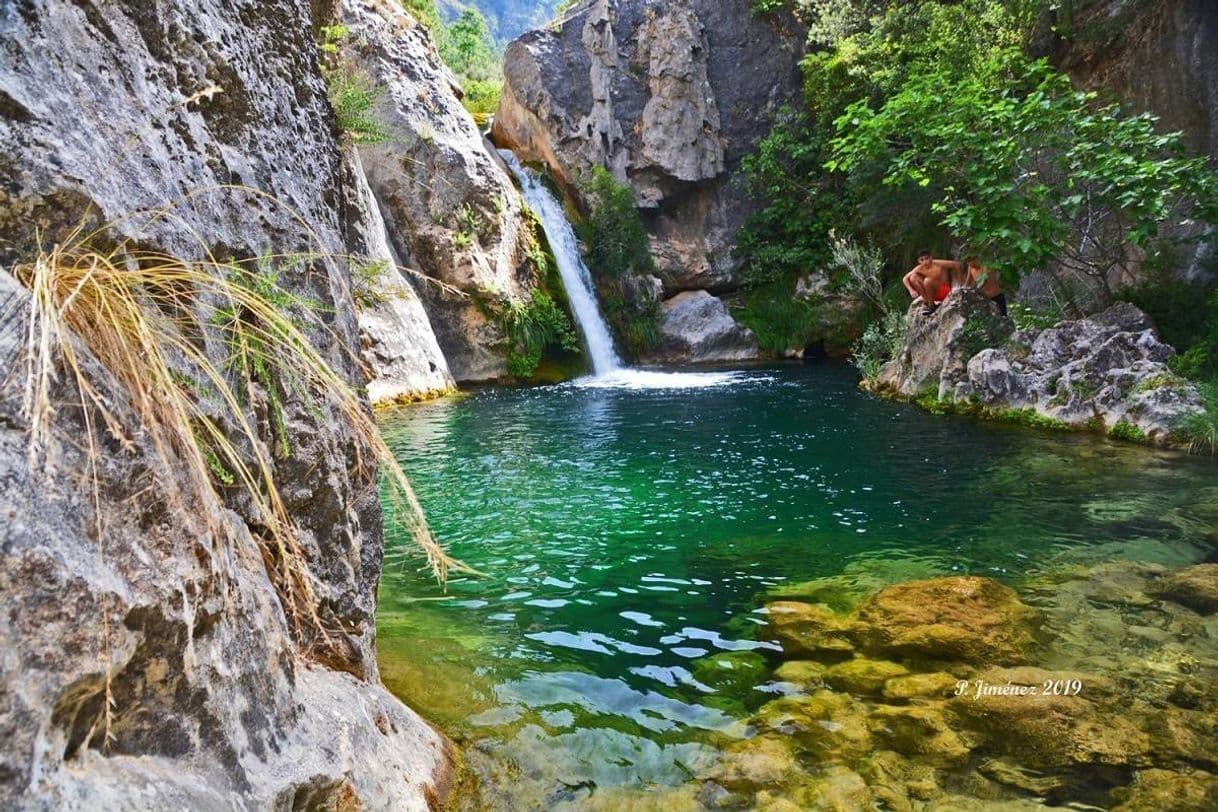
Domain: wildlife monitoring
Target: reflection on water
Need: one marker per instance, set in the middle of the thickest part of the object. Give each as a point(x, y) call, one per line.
point(630, 534)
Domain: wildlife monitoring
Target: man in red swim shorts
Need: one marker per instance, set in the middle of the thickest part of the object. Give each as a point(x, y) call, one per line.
point(931, 280)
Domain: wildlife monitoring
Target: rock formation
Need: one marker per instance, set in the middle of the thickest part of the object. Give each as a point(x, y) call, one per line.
point(670, 97)
point(396, 340)
point(696, 328)
point(1107, 372)
point(451, 209)
point(191, 129)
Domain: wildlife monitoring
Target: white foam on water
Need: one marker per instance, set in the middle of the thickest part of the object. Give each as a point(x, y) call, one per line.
point(640, 379)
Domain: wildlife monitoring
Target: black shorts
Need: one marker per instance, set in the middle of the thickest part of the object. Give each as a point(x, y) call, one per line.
point(1001, 301)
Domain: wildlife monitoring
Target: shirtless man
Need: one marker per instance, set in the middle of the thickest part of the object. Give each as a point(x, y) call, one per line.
point(931, 280)
point(987, 282)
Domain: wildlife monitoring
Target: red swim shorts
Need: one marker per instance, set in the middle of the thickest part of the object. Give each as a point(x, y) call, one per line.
point(943, 292)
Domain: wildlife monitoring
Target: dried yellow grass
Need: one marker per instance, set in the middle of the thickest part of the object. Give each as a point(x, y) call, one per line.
point(143, 315)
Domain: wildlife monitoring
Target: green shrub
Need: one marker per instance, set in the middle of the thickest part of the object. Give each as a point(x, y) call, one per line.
point(353, 95)
point(1124, 430)
point(880, 343)
point(532, 325)
point(779, 319)
point(1200, 429)
point(613, 234)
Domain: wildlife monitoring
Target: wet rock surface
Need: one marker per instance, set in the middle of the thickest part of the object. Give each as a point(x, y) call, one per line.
point(1127, 732)
point(216, 116)
point(670, 97)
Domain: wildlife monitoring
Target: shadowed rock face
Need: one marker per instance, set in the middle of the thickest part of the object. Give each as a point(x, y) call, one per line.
point(219, 700)
point(670, 97)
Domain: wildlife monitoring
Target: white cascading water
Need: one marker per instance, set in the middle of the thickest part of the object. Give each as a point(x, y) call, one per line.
point(575, 275)
point(607, 368)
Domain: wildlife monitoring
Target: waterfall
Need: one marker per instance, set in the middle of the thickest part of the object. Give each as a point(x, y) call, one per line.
point(575, 275)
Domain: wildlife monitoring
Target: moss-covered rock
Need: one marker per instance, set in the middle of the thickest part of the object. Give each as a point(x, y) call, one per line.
point(829, 725)
point(863, 676)
point(1191, 791)
point(1195, 587)
point(967, 619)
point(936, 685)
point(920, 730)
point(810, 630)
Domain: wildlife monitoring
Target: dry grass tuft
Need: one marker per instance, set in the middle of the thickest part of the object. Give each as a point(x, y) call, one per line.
point(147, 317)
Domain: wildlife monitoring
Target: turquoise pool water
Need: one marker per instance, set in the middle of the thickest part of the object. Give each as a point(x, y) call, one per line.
point(629, 537)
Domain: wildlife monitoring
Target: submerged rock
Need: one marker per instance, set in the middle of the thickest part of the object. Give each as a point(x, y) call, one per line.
point(697, 328)
point(809, 630)
point(1191, 791)
point(1195, 587)
point(863, 676)
point(966, 619)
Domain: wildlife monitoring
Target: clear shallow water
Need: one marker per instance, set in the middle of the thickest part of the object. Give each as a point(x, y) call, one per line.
point(630, 534)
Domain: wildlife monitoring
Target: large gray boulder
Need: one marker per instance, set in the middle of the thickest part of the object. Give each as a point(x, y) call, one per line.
point(670, 96)
point(697, 328)
point(450, 208)
point(933, 359)
point(1096, 372)
point(219, 700)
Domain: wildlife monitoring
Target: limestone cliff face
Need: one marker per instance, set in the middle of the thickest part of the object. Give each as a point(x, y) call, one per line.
point(451, 209)
point(109, 112)
point(1160, 56)
point(670, 96)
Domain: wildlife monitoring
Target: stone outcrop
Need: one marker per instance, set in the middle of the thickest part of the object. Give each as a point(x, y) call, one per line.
point(670, 97)
point(397, 343)
point(697, 328)
point(1107, 372)
point(215, 117)
point(933, 359)
point(450, 207)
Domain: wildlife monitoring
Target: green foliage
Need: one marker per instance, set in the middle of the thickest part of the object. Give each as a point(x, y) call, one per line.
point(1027, 169)
point(1026, 317)
point(780, 320)
point(1200, 429)
point(633, 317)
point(613, 234)
point(252, 343)
point(1124, 430)
point(789, 235)
point(353, 95)
point(531, 326)
point(424, 11)
point(1178, 307)
point(373, 283)
point(880, 342)
point(1027, 417)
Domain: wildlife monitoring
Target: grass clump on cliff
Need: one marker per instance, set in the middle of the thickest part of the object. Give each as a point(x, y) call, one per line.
point(353, 95)
point(146, 321)
point(532, 325)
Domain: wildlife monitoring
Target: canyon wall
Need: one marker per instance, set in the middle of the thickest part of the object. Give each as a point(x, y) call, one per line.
point(149, 660)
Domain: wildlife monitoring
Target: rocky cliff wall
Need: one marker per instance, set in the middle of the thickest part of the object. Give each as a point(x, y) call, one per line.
point(670, 96)
point(215, 115)
point(1160, 56)
point(451, 209)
